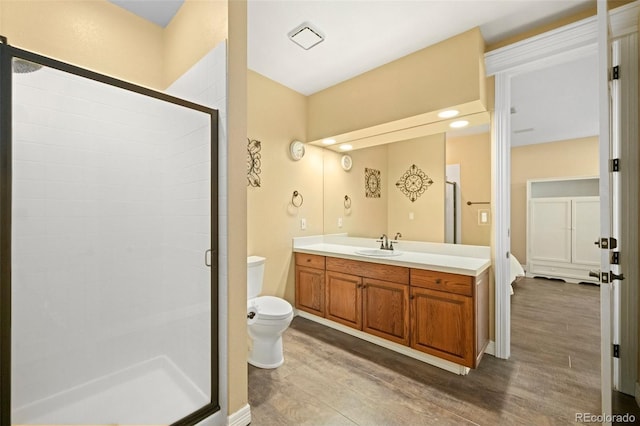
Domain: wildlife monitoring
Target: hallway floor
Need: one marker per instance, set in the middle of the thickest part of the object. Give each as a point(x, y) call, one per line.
point(331, 378)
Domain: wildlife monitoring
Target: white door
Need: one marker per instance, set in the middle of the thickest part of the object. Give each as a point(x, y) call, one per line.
point(609, 201)
point(585, 229)
point(550, 235)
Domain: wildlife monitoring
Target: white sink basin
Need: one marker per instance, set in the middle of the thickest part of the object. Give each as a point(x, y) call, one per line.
point(378, 252)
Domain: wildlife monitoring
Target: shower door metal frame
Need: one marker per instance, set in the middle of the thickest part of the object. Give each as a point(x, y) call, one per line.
point(7, 53)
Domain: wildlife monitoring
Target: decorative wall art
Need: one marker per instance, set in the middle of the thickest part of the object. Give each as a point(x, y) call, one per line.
point(414, 182)
point(372, 183)
point(253, 162)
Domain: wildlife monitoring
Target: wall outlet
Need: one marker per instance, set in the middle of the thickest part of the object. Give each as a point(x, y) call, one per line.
point(303, 224)
point(339, 222)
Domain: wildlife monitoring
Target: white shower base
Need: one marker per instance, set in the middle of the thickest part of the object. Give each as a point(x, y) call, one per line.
point(155, 391)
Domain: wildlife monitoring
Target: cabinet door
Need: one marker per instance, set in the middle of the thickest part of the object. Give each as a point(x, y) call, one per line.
point(385, 310)
point(549, 235)
point(344, 303)
point(310, 290)
point(442, 325)
point(586, 230)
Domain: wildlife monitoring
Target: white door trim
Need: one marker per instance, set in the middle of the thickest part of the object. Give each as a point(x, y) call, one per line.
point(554, 47)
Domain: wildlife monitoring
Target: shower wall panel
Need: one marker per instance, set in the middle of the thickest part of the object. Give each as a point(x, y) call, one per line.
point(204, 83)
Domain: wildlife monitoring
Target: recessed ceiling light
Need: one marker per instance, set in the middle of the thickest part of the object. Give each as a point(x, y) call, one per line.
point(448, 113)
point(346, 147)
point(459, 124)
point(328, 141)
point(305, 36)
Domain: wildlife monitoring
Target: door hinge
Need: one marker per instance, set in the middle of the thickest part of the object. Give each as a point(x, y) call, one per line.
point(615, 165)
point(615, 258)
point(615, 73)
point(607, 243)
point(616, 350)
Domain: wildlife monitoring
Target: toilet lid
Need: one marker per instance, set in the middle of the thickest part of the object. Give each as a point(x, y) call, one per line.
point(270, 307)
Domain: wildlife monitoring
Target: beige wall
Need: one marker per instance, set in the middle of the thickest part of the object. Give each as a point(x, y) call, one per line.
point(428, 154)
point(276, 116)
point(575, 157)
point(92, 34)
point(440, 76)
point(189, 35)
point(473, 153)
point(105, 38)
point(237, 374)
point(367, 217)
point(371, 217)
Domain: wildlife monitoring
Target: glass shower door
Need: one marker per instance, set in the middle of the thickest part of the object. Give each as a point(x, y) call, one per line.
point(113, 309)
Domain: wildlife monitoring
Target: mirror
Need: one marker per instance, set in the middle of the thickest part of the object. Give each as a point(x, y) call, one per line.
point(401, 187)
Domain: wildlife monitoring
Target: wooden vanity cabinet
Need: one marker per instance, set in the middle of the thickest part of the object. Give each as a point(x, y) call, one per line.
point(449, 315)
point(385, 310)
point(370, 297)
point(344, 299)
point(310, 283)
point(442, 314)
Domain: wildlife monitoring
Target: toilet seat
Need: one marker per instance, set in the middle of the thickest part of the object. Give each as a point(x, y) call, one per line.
point(271, 308)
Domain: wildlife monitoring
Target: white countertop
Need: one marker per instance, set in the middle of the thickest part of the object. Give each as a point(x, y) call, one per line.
point(421, 257)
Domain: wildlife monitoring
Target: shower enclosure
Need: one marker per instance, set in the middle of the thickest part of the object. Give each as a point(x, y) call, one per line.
point(108, 242)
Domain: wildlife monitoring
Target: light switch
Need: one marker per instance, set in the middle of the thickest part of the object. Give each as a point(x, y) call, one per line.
point(483, 217)
point(303, 224)
point(339, 222)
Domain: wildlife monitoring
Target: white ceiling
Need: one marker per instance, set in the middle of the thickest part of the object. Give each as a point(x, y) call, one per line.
point(363, 34)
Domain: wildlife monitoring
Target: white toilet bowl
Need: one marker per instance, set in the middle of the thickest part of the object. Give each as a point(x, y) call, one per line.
point(268, 317)
point(273, 317)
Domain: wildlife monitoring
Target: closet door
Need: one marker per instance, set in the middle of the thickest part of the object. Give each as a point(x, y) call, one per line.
point(550, 233)
point(586, 230)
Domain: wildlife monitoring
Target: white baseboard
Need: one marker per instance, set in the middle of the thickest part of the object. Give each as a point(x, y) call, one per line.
point(242, 417)
point(396, 347)
point(491, 348)
point(637, 394)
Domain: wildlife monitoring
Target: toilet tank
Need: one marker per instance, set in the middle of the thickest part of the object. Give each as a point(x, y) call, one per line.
point(255, 275)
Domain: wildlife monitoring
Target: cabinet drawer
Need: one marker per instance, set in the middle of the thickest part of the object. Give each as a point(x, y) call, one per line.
point(451, 283)
point(310, 260)
point(397, 274)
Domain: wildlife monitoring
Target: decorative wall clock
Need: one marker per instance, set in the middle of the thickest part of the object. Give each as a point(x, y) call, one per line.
point(296, 149)
point(414, 182)
point(346, 162)
point(372, 183)
point(253, 162)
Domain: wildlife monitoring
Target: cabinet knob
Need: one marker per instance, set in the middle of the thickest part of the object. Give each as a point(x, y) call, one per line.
point(438, 281)
point(412, 297)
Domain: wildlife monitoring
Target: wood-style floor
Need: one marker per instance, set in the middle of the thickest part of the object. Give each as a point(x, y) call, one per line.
point(331, 378)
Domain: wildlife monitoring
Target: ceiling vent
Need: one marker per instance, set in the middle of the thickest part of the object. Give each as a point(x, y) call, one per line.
point(306, 36)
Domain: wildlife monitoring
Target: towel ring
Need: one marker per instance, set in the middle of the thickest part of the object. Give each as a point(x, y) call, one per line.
point(297, 196)
point(347, 202)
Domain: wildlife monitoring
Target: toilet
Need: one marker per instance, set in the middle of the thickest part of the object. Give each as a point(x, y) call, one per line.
point(272, 317)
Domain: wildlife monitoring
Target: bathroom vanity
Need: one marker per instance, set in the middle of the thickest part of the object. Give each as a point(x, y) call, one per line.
point(429, 301)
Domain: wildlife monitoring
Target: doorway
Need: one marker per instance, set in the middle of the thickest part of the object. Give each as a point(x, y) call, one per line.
point(557, 46)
